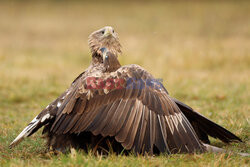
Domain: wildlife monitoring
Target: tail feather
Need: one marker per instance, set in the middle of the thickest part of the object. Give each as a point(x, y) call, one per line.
point(204, 127)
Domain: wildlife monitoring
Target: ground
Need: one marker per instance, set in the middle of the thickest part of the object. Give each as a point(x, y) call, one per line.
point(200, 50)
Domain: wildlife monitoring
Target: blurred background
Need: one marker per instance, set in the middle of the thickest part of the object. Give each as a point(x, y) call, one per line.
point(199, 48)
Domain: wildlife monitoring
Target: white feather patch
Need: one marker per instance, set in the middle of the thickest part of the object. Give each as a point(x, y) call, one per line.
point(45, 117)
point(59, 104)
point(68, 92)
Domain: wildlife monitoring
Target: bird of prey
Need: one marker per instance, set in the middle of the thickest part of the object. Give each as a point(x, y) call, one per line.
point(110, 106)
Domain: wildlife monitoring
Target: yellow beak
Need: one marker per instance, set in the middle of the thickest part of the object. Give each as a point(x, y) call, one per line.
point(108, 31)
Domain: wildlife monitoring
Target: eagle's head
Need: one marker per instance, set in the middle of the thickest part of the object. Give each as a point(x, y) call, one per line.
point(105, 37)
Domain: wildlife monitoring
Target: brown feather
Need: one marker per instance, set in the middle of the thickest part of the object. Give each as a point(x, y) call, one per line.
point(135, 117)
point(123, 133)
point(129, 141)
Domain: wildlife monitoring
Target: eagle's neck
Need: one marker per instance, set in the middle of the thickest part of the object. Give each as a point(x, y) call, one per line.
point(112, 64)
point(96, 59)
point(115, 66)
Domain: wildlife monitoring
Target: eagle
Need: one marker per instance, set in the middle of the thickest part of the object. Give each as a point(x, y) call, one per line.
point(123, 109)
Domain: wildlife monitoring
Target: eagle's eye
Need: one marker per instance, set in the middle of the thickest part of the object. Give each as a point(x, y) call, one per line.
point(106, 57)
point(102, 32)
point(113, 31)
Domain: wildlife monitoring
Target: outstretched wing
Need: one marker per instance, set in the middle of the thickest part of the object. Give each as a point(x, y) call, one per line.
point(204, 127)
point(46, 116)
point(130, 105)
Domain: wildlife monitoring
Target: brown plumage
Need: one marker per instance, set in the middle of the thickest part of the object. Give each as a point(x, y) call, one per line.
point(123, 107)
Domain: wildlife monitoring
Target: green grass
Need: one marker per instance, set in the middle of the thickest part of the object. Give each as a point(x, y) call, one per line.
point(200, 50)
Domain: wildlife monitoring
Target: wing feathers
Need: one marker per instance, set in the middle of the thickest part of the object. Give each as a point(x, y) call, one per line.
point(123, 133)
point(137, 115)
point(204, 126)
point(100, 120)
point(152, 129)
point(110, 127)
point(144, 120)
point(121, 118)
point(129, 141)
point(160, 136)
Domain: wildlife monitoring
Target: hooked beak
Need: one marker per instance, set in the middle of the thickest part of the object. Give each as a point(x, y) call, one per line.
point(108, 32)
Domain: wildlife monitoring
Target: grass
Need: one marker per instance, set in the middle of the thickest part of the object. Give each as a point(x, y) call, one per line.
point(200, 50)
